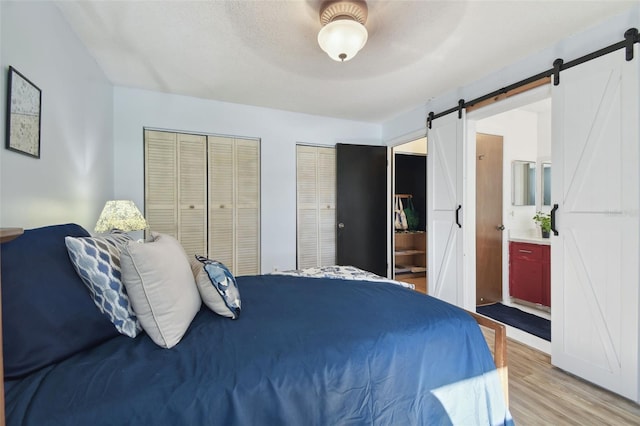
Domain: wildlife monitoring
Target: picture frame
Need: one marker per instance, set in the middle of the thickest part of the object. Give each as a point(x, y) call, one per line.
point(24, 105)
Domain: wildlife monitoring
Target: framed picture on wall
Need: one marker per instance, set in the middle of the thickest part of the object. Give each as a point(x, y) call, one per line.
point(23, 115)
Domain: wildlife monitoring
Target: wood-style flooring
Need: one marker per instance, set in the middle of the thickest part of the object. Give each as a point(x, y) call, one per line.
point(540, 394)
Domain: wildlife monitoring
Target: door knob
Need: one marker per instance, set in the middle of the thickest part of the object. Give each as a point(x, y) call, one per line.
point(500, 227)
point(341, 225)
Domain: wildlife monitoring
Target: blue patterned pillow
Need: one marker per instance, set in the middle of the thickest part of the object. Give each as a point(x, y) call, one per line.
point(217, 286)
point(97, 261)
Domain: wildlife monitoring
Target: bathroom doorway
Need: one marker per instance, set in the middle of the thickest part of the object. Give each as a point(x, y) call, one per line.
point(525, 132)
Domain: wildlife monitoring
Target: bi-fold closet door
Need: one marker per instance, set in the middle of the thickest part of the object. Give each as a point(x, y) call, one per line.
point(175, 187)
point(234, 203)
point(205, 191)
point(316, 206)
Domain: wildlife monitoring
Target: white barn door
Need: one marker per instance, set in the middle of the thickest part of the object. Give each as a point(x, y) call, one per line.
point(595, 273)
point(444, 208)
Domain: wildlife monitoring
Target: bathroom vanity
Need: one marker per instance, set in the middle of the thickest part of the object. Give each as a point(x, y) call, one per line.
point(530, 270)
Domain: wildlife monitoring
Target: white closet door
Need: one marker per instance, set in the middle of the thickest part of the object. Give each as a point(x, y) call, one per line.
point(595, 275)
point(221, 196)
point(316, 205)
point(307, 206)
point(327, 206)
point(247, 170)
point(161, 190)
point(444, 206)
point(192, 193)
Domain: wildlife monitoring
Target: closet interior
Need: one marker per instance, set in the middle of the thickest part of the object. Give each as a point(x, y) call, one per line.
point(410, 237)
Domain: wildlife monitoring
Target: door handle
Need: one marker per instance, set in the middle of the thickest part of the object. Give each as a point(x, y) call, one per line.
point(341, 225)
point(458, 216)
point(553, 219)
point(500, 227)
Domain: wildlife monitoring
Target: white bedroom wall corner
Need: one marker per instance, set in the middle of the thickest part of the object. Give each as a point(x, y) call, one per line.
point(74, 176)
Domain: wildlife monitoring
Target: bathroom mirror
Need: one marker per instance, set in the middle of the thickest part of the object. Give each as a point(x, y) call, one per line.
point(523, 183)
point(546, 184)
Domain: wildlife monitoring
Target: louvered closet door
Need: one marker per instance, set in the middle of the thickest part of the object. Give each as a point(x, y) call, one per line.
point(316, 205)
point(595, 277)
point(161, 191)
point(221, 195)
point(192, 193)
point(247, 172)
point(327, 205)
point(307, 206)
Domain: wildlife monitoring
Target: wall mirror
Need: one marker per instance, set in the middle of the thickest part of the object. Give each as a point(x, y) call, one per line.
point(546, 184)
point(523, 183)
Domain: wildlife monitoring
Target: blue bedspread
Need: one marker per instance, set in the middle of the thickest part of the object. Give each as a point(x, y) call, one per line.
point(303, 352)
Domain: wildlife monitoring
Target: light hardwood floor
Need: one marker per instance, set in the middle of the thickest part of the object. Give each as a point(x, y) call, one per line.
point(540, 394)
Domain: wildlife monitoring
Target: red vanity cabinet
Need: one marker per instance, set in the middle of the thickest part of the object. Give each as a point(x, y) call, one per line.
point(530, 272)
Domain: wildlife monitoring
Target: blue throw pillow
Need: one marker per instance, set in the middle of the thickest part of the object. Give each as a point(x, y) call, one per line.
point(97, 261)
point(47, 313)
point(217, 286)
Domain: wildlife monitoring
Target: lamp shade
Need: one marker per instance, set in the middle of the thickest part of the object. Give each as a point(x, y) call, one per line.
point(342, 39)
point(122, 215)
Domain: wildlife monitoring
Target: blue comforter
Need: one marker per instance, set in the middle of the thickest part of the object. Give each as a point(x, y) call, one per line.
point(305, 351)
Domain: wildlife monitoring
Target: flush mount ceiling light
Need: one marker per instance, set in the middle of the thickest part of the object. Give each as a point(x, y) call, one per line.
point(343, 33)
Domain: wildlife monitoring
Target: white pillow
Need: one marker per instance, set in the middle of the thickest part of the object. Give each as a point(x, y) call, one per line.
point(161, 288)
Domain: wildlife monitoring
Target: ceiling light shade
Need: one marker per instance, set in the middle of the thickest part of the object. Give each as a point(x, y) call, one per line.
point(342, 39)
point(122, 215)
point(343, 33)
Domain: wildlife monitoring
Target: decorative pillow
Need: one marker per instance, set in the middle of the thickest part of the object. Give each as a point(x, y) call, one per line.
point(217, 287)
point(161, 288)
point(47, 312)
point(97, 261)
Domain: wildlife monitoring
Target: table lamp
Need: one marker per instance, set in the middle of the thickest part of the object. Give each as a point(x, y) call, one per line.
point(122, 215)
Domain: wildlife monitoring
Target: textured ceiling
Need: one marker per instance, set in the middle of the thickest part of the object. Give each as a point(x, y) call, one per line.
point(265, 53)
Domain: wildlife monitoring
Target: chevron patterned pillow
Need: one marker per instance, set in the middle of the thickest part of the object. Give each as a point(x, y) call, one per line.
point(97, 261)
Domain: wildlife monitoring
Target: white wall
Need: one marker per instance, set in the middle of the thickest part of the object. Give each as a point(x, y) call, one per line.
point(544, 136)
point(279, 131)
point(608, 32)
point(74, 175)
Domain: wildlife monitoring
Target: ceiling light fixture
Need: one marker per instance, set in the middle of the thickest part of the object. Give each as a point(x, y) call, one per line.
point(343, 33)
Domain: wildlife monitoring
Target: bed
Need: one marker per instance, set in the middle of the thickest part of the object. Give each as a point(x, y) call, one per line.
point(312, 351)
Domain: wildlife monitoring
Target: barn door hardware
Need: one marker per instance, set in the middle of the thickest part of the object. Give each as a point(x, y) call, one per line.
point(553, 219)
point(557, 66)
point(630, 38)
point(430, 119)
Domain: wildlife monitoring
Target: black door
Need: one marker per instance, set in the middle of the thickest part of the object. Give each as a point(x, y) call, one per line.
point(361, 207)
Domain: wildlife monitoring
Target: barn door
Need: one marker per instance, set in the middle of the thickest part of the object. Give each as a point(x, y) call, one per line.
point(444, 208)
point(595, 275)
